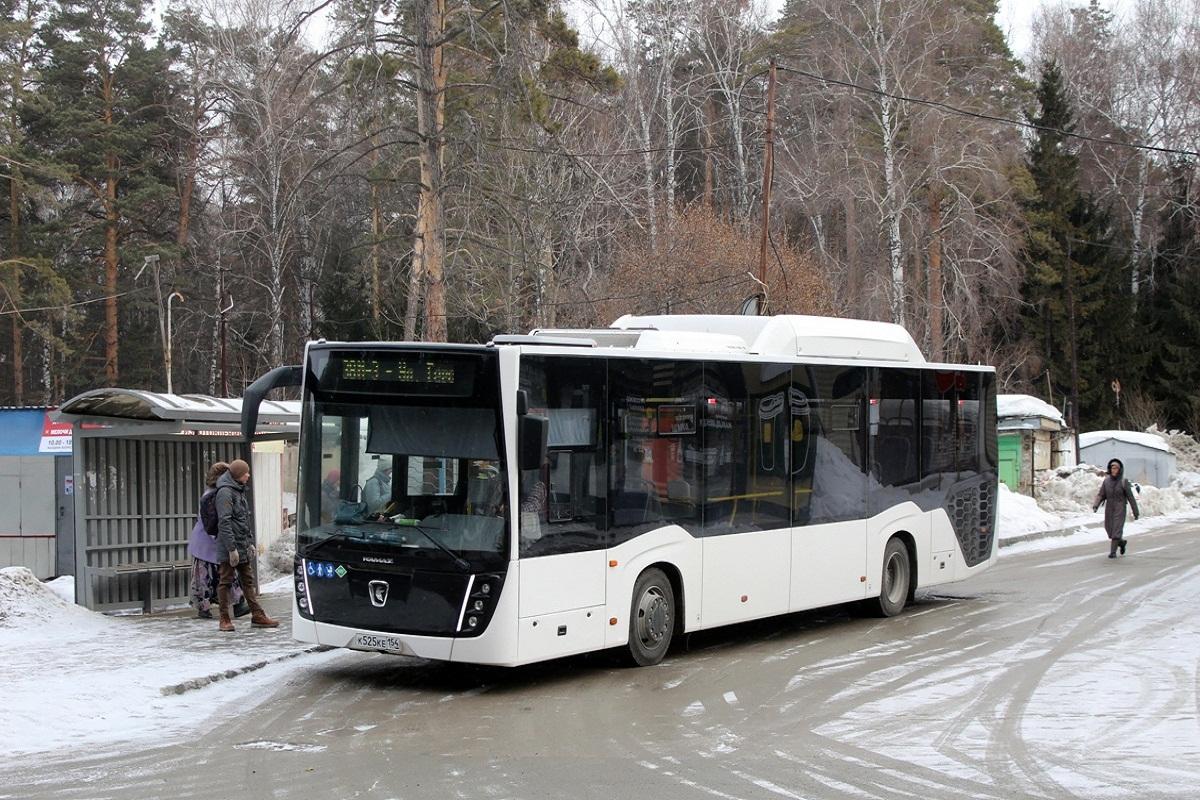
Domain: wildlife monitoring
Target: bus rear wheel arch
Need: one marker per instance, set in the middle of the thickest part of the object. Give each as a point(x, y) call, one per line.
point(652, 618)
point(897, 580)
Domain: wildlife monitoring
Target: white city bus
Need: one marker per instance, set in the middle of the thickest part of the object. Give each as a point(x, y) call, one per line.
point(576, 490)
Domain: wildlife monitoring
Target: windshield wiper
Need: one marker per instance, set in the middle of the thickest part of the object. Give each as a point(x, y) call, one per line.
point(459, 561)
point(337, 535)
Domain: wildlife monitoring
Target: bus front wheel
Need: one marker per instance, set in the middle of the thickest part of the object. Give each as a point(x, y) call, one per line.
point(897, 576)
point(651, 618)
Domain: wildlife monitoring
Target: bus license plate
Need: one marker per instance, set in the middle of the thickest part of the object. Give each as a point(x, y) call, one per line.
point(387, 644)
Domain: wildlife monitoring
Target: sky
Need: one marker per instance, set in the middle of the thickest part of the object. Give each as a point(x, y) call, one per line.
point(1015, 18)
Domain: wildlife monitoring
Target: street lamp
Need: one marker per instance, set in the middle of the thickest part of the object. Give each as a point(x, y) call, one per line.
point(173, 295)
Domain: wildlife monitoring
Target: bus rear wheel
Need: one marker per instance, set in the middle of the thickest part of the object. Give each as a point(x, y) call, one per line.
point(895, 581)
point(651, 618)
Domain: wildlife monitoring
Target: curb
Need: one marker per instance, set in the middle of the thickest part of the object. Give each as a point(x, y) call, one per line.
point(1054, 533)
point(200, 683)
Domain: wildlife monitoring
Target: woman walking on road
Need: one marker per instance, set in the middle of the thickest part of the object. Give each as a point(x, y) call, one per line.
point(1114, 493)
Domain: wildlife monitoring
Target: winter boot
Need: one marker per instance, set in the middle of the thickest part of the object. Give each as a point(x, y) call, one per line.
point(1123, 543)
point(259, 619)
point(226, 625)
point(1112, 547)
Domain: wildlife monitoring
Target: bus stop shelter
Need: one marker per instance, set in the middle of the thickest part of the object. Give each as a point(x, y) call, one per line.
point(140, 459)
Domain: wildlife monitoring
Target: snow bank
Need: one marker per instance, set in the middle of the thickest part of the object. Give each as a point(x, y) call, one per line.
point(73, 678)
point(1018, 514)
point(64, 587)
point(1154, 502)
point(1069, 490)
point(1185, 448)
point(1188, 483)
point(1133, 437)
point(26, 602)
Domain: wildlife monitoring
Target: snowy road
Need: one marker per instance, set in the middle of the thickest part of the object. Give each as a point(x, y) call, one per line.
point(1060, 674)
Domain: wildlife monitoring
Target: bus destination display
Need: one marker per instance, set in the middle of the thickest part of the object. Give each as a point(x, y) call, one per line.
point(408, 373)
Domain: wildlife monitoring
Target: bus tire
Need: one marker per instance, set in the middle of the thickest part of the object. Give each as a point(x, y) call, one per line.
point(651, 618)
point(895, 580)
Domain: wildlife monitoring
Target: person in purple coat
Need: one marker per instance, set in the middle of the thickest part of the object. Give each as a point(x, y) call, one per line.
point(205, 559)
point(1115, 492)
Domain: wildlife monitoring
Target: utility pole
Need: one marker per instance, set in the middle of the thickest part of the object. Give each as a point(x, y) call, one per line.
point(768, 174)
point(222, 312)
point(170, 387)
point(1070, 281)
point(152, 261)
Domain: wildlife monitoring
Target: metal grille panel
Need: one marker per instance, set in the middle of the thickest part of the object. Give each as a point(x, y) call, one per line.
point(140, 498)
point(971, 506)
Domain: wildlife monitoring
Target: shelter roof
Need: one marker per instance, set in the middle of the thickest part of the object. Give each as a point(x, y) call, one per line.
point(138, 404)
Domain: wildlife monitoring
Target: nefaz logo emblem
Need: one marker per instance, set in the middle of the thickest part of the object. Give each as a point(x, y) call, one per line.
point(378, 591)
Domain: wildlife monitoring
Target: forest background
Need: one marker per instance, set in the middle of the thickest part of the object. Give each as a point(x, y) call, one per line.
point(450, 169)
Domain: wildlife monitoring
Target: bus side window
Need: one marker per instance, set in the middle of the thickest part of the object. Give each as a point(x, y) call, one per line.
point(938, 467)
point(562, 507)
point(746, 433)
point(655, 445)
point(839, 487)
point(895, 437)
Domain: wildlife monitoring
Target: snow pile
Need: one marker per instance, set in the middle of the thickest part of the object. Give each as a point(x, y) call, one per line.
point(1185, 448)
point(1018, 514)
point(1069, 490)
point(64, 587)
point(1189, 484)
point(26, 602)
point(1154, 502)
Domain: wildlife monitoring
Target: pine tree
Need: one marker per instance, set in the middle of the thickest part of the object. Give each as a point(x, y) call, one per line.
point(1073, 314)
point(1170, 314)
point(100, 115)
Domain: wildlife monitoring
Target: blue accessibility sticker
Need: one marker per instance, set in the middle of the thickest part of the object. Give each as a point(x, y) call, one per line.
point(325, 569)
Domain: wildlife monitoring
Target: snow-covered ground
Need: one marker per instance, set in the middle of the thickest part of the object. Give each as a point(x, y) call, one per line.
point(74, 678)
point(70, 677)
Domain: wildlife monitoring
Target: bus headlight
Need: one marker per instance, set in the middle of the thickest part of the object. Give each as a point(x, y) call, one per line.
point(480, 603)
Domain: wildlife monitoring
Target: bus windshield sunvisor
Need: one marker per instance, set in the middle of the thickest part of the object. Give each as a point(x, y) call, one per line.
point(426, 431)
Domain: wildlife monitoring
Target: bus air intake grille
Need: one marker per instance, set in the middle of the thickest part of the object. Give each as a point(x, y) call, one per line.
point(972, 509)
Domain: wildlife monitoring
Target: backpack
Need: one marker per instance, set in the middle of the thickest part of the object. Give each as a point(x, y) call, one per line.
point(208, 513)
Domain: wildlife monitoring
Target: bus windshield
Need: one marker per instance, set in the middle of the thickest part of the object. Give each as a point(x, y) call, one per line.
point(401, 459)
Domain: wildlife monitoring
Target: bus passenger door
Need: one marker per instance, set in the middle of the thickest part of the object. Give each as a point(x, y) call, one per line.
point(746, 524)
point(829, 485)
point(561, 535)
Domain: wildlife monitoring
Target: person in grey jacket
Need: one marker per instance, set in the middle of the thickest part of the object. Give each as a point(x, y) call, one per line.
point(235, 545)
point(1114, 493)
point(377, 491)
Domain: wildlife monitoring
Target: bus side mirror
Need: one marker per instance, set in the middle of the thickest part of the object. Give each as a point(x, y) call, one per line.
point(532, 433)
